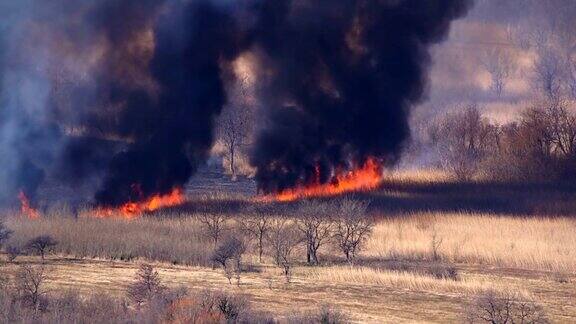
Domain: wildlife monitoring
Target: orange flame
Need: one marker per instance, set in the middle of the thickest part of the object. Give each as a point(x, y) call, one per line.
point(25, 207)
point(367, 177)
point(132, 210)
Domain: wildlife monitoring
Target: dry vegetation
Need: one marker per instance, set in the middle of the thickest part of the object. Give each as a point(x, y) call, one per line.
point(442, 263)
point(530, 243)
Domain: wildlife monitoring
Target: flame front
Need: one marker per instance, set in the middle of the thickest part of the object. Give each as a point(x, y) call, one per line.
point(26, 208)
point(132, 210)
point(367, 177)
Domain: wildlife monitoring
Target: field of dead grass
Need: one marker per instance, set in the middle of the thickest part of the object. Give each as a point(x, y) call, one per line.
point(533, 243)
point(175, 240)
point(534, 256)
point(366, 296)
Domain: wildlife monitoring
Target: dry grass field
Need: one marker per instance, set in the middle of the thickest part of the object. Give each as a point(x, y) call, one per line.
point(393, 280)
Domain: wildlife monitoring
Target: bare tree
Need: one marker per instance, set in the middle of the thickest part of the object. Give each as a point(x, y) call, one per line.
point(214, 225)
point(28, 285)
point(256, 225)
point(146, 286)
point(549, 73)
point(551, 128)
point(5, 234)
point(352, 227)
point(315, 221)
point(464, 138)
point(500, 64)
point(13, 252)
point(229, 256)
point(491, 307)
point(234, 124)
point(562, 125)
point(571, 74)
point(41, 244)
point(435, 243)
point(284, 238)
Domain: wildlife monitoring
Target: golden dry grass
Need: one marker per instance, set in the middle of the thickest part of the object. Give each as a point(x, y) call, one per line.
point(398, 280)
point(175, 240)
point(361, 297)
point(535, 243)
point(429, 175)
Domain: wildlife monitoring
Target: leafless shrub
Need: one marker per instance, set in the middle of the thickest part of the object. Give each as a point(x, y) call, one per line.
point(352, 227)
point(213, 224)
point(256, 225)
point(146, 286)
point(41, 244)
point(443, 271)
point(5, 233)
point(229, 256)
point(315, 220)
point(549, 73)
point(230, 306)
point(284, 237)
point(435, 243)
point(500, 64)
point(541, 146)
point(13, 252)
point(214, 307)
point(66, 307)
point(464, 138)
point(491, 307)
point(29, 285)
point(324, 315)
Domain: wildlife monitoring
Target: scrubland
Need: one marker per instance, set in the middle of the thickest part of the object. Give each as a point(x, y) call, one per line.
point(415, 266)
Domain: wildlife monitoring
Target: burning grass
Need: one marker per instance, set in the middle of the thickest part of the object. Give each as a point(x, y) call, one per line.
point(26, 208)
point(135, 209)
point(366, 177)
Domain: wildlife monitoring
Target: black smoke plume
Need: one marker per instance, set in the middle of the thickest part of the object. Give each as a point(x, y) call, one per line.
point(117, 95)
point(190, 55)
point(345, 75)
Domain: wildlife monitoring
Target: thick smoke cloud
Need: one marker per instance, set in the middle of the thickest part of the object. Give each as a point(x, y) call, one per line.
point(122, 95)
point(345, 75)
point(191, 51)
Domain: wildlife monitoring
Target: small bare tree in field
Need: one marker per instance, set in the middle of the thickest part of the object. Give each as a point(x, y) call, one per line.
point(315, 222)
point(256, 225)
point(352, 227)
point(214, 225)
point(28, 285)
point(500, 64)
point(229, 256)
point(284, 238)
point(41, 244)
point(146, 286)
point(234, 125)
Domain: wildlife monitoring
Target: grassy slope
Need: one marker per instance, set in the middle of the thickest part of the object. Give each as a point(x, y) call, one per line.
point(362, 300)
